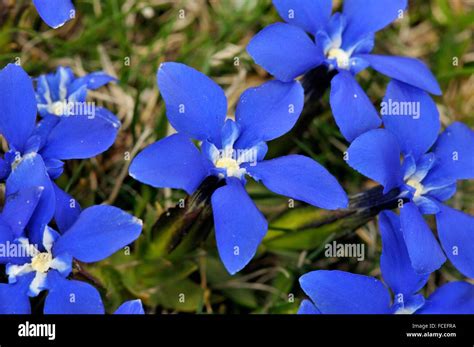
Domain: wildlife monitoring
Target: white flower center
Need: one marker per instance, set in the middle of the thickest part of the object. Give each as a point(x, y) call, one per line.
point(42, 262)
point(57, 108)
point(231, 165)
point(417, 186)
point(341, 56)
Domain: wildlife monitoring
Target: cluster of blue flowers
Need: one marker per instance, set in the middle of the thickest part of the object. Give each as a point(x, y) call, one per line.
point(426, 176)
point(37, 257)
point(402, 149)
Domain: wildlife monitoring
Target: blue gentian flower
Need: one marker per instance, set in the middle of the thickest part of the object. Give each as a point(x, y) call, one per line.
point(98, 232)
point(36, 151)
point(339, 292)
point(55, 12)
point(425, 178)
point(196, 107)
point(56, 90)
point(342, 42)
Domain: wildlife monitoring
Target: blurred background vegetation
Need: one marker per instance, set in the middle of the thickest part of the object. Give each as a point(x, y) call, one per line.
point(129, 39)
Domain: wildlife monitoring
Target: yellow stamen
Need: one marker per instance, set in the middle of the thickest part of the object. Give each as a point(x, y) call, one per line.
point(42, 262)
point(417, 186)
point(342, 58)
point(231, 165)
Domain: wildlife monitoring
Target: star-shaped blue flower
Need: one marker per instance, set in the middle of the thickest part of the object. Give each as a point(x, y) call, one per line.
point(37, 150)
point(232, 150)
point(342, 42)
point(55, 12)
point(339, 292)
point(98, 232)
point(425, 178)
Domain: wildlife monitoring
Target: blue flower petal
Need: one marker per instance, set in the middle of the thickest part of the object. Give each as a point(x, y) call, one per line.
point(7, 237)
point(55, 12)
point(442, 193)
point(456, 232)
point(301, 178)
point(173, 162)
point(451, 298)
point(31, 172)
point(454, 154)
point(409, 70)
point(14, 298)
point(376, 154)
point(17, 106)
point(426, 205)
point(307, 307)
point(92, 81)
point(338, 292)
point(395, 264)
point(71, 297)
point(407, 304)
point(424, 250)
point(230, 133)
point(195, 104)
point(352, 108)
point(19, 207)
point(285, 51)
point(82, 137)
point(268, 111)
point(368, 16)
point(416, 132)
point(99, 232)
point(67, 209)
point(131, 307)
point(308, 15)
point(44, 128)
point(240, 226)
